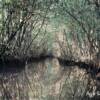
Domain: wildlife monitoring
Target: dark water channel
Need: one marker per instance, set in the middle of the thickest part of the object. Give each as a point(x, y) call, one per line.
point(42, 80)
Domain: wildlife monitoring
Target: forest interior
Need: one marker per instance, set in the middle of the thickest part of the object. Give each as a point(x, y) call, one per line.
point(49, 49)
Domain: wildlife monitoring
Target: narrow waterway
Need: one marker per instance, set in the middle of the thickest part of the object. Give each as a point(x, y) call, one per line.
point(43, 80)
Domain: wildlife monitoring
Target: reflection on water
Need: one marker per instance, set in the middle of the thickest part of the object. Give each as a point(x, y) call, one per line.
point(44, 80)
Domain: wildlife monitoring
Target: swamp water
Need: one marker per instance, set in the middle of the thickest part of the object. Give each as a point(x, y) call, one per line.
point(44, 80)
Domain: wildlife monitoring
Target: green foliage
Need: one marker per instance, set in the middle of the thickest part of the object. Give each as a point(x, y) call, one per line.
point(22, 23)
point(28, 22)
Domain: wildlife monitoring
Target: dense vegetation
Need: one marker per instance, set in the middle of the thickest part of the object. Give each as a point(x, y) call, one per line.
point(28, 26)
point(68, 30)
